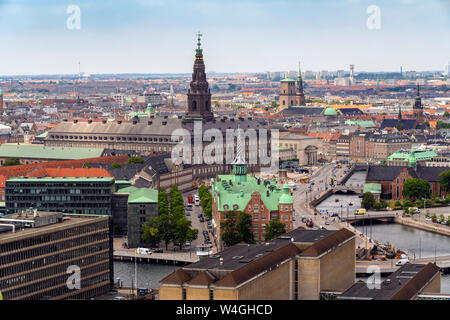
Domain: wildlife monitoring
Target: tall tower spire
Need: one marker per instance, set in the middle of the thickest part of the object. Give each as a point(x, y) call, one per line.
point(301, 101)
point(399, 112)
point(239, 164)
point(418, 108)
point(199, 95)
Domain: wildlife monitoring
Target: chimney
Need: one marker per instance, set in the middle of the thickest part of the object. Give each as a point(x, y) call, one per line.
point(90, 121)
point(75, 121)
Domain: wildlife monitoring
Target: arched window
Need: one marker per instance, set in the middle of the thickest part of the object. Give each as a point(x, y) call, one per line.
point(194, 105)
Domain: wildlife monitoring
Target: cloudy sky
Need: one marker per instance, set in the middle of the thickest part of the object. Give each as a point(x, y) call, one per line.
point(159, 36)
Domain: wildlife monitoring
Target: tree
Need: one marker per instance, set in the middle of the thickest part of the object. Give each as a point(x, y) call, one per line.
point(87, 165)
point(399, 126)
point(163, 204)
point(11, 162)
point(183, 231)
point(445, 180)
point(116, 165)
point(274, 229)
point(150, 234)
point(135, 160)
point(414, 188)
point(230, 234)
point(244, 227)
point(205, 201)
point(368, 200)
point(165, 225)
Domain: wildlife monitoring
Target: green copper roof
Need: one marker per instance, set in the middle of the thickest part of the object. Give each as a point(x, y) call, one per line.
point(140, 195)
point(143, 195)
point(287, 80)
point(330, 112)
point(372, 188)
point(233, 194)
point(286, 197)
point(405, 155)
point(42, 152)
point(42, 135)
point(361, 123)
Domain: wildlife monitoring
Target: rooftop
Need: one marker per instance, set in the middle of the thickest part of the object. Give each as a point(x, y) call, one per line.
point(41, 152)
point(403, 284)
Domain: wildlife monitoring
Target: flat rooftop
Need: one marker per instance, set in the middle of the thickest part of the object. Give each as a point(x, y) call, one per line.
point(403, 284)
point(69, 221)
point(238, 255)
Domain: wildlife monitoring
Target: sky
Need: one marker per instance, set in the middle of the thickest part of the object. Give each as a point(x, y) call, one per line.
point(159, 36)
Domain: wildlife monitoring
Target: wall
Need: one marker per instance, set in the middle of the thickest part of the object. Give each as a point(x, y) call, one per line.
point(308, 279)
point(274, 285)
point(170, 293)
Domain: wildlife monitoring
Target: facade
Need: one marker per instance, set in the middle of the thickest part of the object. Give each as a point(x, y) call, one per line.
point(84, 195)
point(381, 146)
point(290, 94)
point(392, 179)
point(36, 262)
point(343, 147)
point(305, 147)
point(296, 266)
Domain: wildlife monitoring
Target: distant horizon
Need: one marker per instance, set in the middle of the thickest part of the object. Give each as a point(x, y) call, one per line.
point(188, 74)
point(49, 37)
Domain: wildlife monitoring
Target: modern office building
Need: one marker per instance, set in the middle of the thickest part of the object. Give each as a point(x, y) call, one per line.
point(83, 195)
point(132, 207)
point(299, 265)
point(45, 252)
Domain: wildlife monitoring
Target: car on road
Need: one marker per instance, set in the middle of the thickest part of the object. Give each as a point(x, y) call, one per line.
point(143, 251)
point(187, 214)
point(158, 250)
point(196, 200)
point(190, 198)
point(334, 214)
point(189, 207)
point(401, 262)
point(118, 298)
point(429, 219)
point(327, 223)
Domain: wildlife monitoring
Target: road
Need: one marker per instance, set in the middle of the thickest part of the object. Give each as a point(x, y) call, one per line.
point(196, 224)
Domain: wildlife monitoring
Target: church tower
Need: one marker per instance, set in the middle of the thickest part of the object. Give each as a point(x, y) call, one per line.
point(418, 108)
point(199, 95)
point(301, 101)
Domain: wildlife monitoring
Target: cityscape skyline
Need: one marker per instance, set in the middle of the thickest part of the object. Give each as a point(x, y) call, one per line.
point(117, 39)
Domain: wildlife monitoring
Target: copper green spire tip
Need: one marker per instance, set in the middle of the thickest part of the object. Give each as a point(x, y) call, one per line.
point(199, 49)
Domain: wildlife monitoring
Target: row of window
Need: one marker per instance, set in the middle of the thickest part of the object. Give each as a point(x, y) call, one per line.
point(111, 138)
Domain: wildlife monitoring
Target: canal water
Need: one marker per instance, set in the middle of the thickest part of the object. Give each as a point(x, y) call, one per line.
point(148, 274)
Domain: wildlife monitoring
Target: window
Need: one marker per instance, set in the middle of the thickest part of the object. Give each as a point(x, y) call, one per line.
point(184, 294)
point(255, 217)
point(211, 294)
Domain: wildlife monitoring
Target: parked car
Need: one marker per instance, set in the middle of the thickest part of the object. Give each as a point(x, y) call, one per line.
point(143, 251)
point(334, 214)
point(158, 250)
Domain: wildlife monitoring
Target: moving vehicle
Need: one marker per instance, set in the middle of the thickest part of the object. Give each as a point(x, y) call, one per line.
point(190, 198)
point(189, 207)
point(304, 180)
point(402, 262)
point(143, 251)
point(118, 298)
point(360, 211)
point(291, 184)
point(196, 200)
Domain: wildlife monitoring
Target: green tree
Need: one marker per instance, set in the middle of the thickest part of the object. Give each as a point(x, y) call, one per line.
point(165, 225)
point(244, 227)
point(414, 188)
point(205, 201)
point(150, 235)
point(230, 233)
point(274, 229)
point(368, 200)
point(399, 126)
point(183, 231)
point(163, 204)
point(87, 165)
point(135, 160)
point(11, 162)
point(116, 165)
point(444, 180)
